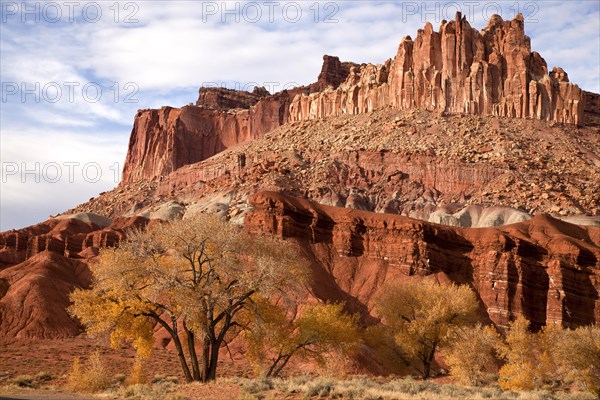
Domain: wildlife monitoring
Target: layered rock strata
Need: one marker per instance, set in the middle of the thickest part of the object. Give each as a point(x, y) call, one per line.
point(39, 267)
point(457, 70)
point(544, 269)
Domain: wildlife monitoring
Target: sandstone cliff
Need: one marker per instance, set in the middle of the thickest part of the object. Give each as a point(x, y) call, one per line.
point(544, 269)
point(226, 99)
point(458, 70)
point(167, 139)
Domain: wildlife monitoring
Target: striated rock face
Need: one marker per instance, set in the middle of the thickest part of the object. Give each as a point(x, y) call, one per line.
point(34, 296)
point(545, 269)
point(39, 267)
point(226, 99)
point(457, 70)
point(167, 139)
point(164, 140)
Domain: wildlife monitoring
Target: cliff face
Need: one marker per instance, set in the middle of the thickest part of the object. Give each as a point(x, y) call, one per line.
point(457, 70)
point(226, 99)
point(41, 265)
point(543, 268)
point(592, 109)
point(164, 140)
point(167, 139)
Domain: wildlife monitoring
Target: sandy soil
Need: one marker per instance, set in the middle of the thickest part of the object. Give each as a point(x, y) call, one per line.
point(55, 357)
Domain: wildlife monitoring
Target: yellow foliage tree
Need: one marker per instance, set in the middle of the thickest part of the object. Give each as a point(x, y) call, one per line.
point(577, 353)
point(192, 277)
point(528, 361)
point(386, 351)
point(421, 314)
point(553, 355)
point(138, 373)
point(470, 353)
point(273, 339)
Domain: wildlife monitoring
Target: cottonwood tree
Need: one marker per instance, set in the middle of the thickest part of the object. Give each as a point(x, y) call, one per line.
point(471, 353)
point(193, 278)
point(381, 339)
point(274, 339)
point(577, 353)
point(552, 355)
point(421, 313)
point(528, 364)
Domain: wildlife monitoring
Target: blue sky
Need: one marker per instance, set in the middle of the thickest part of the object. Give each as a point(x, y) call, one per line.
point(74, 74)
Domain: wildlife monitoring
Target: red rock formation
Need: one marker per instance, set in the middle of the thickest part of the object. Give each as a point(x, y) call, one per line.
point(41, 265)
point(34, 296)
point(333, 73)
point(167, 139)
point(227, 99)
point(592, 109)
point(545, 269)
point(457, 70)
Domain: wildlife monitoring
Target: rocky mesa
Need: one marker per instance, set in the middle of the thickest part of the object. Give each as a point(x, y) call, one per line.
point(164, 140)
point(456, 70)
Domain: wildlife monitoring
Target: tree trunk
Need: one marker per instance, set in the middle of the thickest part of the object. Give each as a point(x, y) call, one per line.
point(283, 364)
point(214, 358)
point(192, 350)
point(215, 344)
point(428, 361)
point(426, 369)
point(184, 365)
point(274, 366)
point(206, 345)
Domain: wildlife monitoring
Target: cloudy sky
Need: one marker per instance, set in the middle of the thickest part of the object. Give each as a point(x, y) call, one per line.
point(74, 73)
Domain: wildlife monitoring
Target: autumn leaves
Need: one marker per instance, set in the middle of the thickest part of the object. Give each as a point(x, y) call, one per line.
point(206, 283)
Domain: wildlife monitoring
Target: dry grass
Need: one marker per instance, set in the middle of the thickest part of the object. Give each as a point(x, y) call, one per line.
point(92, 377)
point(363, 388)
point(307, 388)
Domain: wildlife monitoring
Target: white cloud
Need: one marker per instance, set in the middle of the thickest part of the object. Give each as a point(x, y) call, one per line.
point(43, 174)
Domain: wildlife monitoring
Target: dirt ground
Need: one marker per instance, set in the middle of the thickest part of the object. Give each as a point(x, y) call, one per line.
point(55, 358)
point(30, 357)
